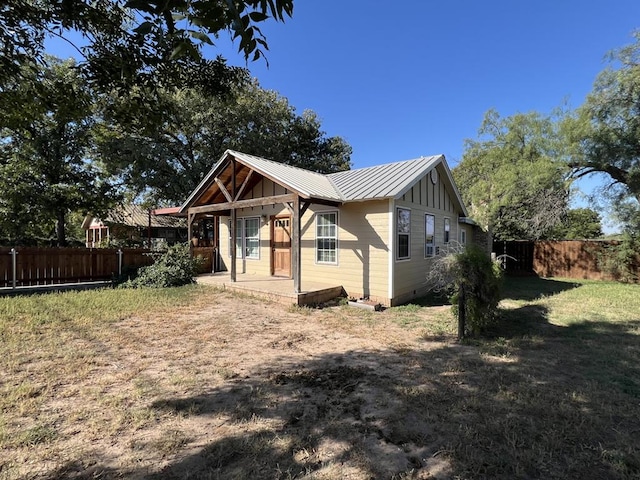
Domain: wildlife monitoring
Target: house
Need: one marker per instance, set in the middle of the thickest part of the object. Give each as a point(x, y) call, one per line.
point(372, 230)
point(133, 225)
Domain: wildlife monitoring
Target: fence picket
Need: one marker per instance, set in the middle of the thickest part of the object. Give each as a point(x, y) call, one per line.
point(558, 258)
point(33, 266)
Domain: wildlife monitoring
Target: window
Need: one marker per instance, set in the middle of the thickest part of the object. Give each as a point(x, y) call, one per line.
point(252, 238)
point(447, 230)
point(403, 230)
point(247, 238)
point(327, 237)
point(463, 236)
point(429, 235)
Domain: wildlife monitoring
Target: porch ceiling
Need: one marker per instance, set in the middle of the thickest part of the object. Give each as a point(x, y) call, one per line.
point(244, 179)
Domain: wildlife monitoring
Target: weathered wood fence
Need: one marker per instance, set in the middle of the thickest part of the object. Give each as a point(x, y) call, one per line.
point(32, 266)
point(565, 258)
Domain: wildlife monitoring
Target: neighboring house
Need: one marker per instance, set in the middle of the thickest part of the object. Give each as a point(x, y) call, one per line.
point(372, 230)
point(133, 225)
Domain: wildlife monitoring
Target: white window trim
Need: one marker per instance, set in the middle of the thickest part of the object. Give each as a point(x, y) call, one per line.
point(240, 235)
point(244, 238)
point(446, 223)
point(397, 235)
point(433, 245)
point(391, 221)
point(337, 237)
point(463, 236)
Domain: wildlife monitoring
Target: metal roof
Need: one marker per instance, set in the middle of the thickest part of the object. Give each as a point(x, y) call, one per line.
point(305, 182)
point(391, 180)
point(136, 216)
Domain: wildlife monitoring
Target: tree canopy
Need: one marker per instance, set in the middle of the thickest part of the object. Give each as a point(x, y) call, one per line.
point(46, 135)
point(134, 42)
point(163, 156)
point(579, 224)
point(509, 176)
point(605, 132)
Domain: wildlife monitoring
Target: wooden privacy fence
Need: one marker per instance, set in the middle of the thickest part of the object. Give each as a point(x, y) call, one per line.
point(32, 266)
point(564, 258)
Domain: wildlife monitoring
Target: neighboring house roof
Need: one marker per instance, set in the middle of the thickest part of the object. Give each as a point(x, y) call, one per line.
point(391, 180)
point(136, 216)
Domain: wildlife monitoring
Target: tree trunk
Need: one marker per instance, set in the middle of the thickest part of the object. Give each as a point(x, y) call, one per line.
point(60, 230)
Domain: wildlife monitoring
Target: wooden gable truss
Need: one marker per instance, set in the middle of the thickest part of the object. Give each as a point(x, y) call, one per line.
point(222, 192)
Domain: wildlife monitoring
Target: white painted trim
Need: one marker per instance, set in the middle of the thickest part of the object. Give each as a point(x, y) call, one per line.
point(315, 239)
point(392, 247)
point(398, 207)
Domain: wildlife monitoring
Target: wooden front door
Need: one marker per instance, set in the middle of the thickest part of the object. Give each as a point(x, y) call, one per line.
point(281, 246)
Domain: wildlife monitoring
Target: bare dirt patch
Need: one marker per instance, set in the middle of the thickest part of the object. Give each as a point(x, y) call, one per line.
point(233, 387)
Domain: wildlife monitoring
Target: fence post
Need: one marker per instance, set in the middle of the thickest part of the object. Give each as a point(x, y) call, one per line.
point(14, 267)
point(120, 253)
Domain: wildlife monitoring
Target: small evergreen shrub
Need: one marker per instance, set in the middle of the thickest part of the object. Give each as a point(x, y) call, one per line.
point(173, 268)
point(481, 279)
point(471, 269)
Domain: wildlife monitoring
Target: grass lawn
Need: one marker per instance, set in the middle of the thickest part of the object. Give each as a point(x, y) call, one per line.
point(193, 382)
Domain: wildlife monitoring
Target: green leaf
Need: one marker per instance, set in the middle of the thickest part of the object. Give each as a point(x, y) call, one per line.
point(204, 38)
point(144, 28)
point(258, 16)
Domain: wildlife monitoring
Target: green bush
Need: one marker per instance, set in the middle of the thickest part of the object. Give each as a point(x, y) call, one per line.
point(622, 259)
point(173, 268)
point(481, 280)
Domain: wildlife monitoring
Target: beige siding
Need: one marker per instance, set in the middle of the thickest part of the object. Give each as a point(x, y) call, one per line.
point(363, 231)
point(424, 198)
point(261, 266)
point(363, 267)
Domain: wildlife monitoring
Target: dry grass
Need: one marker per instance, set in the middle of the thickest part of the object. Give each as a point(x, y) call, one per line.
point(195, 383)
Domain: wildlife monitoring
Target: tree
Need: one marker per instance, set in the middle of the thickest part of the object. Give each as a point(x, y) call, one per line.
point(164, 156)
point(605, 133)
point(46, 122)
point(510, 177)
point(579, 224)
point(133, 42)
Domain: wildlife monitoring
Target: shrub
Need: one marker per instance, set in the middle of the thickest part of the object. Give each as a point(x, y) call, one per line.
point(481, 280)
point(469, 269)
point(173, 268)
point(622, 259)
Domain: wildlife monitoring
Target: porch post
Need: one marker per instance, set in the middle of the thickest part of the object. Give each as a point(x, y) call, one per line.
point(233, 244)
point(296, 245)
point(189, 221)
point(233, 221)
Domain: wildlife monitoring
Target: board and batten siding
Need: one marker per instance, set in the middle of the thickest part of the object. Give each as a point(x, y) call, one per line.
point(423, 198)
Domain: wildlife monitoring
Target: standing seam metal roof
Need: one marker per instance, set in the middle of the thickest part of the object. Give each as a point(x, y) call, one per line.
point(311, 184)
point(381, 181)
point(391, 180)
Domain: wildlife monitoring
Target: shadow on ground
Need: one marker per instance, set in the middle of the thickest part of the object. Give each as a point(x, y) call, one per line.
point(551, 402)
point(533, 288)
point(563, 406)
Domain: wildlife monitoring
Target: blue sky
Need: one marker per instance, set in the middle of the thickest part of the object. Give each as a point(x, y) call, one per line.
point(399, 80)
point(416, 79)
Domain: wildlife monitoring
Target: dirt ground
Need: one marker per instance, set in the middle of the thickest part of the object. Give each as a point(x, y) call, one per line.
point(205, 384)
point(237, 387)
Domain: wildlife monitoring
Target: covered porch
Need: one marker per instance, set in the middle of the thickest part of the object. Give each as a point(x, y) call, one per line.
point(277, 289)
point(256, 195)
